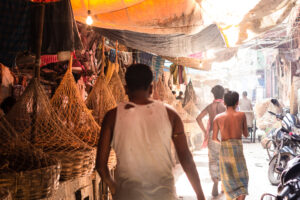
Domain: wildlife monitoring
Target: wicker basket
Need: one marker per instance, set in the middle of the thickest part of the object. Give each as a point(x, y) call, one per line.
point(5, 194)
point(76, 164)
point(33, 185)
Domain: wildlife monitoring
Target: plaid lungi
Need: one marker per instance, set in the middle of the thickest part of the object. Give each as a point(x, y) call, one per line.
point(233, 169)
point(213, 158)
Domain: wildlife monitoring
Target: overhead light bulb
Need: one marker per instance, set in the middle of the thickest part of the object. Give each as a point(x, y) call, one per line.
point(89, 19)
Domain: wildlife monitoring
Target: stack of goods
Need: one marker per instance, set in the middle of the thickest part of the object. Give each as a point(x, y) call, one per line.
point(100, 101)
point(117, 88)
point(35, 119)
point(25, 171)
point(71, 109)
point(192, 109)
point(189, 94)
point(265, 120)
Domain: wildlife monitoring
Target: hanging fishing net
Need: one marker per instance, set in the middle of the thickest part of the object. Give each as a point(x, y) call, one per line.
point(71, 109)
point(161, 90)
point(117, 88)
point(100, 100)
point(27, 172)
point(191, 109)
point(189, 94)
point(35, 119)
point(122, 75)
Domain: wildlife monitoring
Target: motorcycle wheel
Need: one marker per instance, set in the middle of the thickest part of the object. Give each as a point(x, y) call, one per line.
point(273, 174)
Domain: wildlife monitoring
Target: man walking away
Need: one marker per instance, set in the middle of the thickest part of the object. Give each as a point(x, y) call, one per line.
point(141, 132)
point(212, 110)
point(246, 107)
point(232, 124)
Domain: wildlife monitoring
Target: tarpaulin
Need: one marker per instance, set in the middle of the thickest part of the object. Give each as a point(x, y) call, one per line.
point(172, 45)
point(148, 16)
point(239, 20)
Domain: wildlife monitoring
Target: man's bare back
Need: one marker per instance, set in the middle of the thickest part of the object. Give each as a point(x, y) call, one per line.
point(231, 124)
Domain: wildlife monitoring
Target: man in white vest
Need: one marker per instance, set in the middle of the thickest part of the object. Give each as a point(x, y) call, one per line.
point(141, 132)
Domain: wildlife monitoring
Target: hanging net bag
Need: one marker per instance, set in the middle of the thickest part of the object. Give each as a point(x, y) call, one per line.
point(100, 100)
point(191, 109)
point(27, 172)
point(161, 90)
point(71, 109)
point(189, 94)
point(35, 119)
point(117, 88)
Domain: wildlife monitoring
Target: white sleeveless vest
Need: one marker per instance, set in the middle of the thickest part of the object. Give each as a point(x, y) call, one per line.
point(142, 142)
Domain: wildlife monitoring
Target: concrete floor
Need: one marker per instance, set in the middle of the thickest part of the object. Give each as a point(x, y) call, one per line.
point(256, 158)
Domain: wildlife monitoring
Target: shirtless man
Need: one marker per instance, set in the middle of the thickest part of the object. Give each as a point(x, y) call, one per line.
point(141, 132)
point(233, 169)
point(216, 107)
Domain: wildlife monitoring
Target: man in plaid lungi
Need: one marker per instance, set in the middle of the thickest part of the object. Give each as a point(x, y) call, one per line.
point(233, 168)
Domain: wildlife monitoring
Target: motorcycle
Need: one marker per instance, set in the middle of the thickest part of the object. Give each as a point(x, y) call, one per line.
point(286, 146)
point(289, 188)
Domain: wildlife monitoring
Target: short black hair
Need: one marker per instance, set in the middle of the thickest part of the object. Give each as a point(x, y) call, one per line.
point(180, 93)
point(245, 93)
point(218, 92)
point(231, 98)
point(138, 77)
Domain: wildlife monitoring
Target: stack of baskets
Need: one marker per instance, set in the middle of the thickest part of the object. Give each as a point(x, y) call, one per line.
point(35, 119)
point(25, 171)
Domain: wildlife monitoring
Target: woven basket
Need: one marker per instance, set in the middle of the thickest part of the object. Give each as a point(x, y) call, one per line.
point(5, 194)
point(76, 164)
point(33, 185)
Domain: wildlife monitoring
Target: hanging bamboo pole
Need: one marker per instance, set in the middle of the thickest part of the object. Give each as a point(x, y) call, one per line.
point(39, 38)
point(103, 56)
point(40, 9)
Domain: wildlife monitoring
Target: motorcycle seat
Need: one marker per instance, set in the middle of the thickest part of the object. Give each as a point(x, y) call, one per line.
point(296, 137)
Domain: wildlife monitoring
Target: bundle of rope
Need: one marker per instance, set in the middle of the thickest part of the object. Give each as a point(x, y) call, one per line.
point(189, 94)
point(192, 109)
point(72, 110)
point(27, 172)
point(35, 119)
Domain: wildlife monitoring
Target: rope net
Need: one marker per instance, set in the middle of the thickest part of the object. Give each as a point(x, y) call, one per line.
point(117, 88)
point(191, 109)
point(26, 171)
point(35, 119)
point(71, 109)
point(100, 100)
point(189, 94)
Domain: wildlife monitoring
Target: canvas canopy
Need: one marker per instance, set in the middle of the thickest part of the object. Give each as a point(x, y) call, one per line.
point(239, 20)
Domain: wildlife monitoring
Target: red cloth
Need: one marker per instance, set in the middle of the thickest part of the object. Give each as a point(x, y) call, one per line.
point(47, 59)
